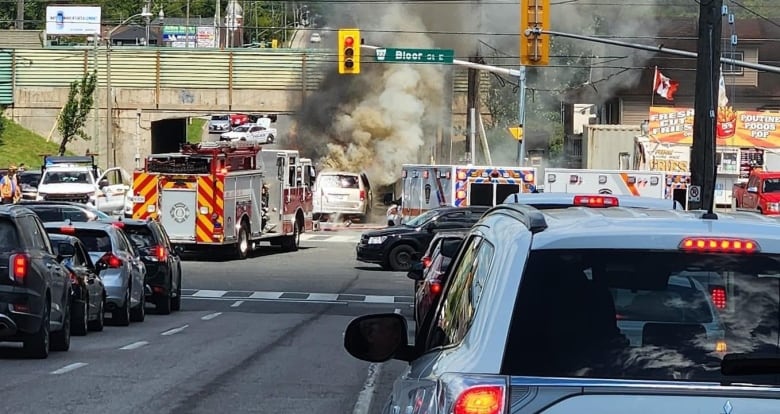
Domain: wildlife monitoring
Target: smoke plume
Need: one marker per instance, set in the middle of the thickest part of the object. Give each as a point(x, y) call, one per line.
point(389, 114)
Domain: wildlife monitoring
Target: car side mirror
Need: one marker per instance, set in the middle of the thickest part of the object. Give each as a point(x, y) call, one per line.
point(752, 189)
point(65, 250)
point(416, 271)
point(378, 338)
point(431, 227)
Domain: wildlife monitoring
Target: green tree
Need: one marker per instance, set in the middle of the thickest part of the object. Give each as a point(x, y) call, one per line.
point(81, 99)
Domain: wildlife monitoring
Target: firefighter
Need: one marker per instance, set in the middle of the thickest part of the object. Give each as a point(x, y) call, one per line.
point(9, 187)
point(264, 202)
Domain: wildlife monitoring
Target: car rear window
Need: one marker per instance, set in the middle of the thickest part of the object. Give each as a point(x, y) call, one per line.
point(59, 213)
point(93, 240)
point(8, 237)
point(339, 181)
point(624, 314)
point(141, 236)
point(449, 247)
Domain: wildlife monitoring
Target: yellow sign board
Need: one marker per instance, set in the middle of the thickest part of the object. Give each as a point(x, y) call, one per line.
point(517, 132)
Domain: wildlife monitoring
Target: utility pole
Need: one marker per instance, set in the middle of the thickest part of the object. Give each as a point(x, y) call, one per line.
point(19, 14)
point(472, 104)
point(187, 25)
point(703, 169)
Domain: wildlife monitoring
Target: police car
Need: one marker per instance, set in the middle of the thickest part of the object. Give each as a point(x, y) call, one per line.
point(594, 310)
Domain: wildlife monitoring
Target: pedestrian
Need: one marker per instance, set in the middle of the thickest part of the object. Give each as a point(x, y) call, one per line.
point(9, 186)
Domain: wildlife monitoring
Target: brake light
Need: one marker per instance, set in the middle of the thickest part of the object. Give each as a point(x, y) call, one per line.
point(362, 195)
point(723, 245)
point(426, 261)
point(435, 287)
point(596, 201)
point(486, 399)
point(718, 297)
point(160, 252)
point(118, 224)
point(111, 261)
point(68, 230)
point(20, 263)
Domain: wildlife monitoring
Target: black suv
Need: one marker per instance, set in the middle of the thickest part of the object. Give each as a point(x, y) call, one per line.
point(34, 285)
point(163, 264)
point(393, 247)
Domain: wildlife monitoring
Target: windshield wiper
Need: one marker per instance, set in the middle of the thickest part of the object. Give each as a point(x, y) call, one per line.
point(738, 364)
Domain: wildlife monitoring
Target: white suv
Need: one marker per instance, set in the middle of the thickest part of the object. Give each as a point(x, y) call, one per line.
point(590, 310)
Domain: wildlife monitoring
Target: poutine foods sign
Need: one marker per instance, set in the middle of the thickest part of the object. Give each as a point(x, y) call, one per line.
point(734, 128)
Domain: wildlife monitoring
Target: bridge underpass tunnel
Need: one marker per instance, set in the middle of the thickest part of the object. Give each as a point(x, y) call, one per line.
point(168, 134)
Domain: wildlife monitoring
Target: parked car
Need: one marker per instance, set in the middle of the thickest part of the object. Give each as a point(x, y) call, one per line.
point(163, 264)
point(315, 38)
point(219, 124)
point(342, 193)
point(88, 294)
point(63, 210)
point(119, 266)
point(250, 132)
point(564, 310)
point(393, 247)
point(35, 286)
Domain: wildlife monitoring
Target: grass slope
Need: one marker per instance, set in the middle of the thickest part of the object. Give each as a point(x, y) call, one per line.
point(195, 130)
point(19, 145)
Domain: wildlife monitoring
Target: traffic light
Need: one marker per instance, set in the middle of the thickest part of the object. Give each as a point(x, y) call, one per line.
point(534, 48)
point(349, 51)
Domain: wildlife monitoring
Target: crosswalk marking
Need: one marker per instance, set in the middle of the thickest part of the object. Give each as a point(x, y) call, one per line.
point(318, 297)
point(321, 237)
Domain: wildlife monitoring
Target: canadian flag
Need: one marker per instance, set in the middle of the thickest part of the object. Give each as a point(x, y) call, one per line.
point(664, 86)
point(723, 99)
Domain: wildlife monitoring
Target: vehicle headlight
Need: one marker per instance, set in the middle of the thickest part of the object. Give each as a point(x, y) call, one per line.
point(40, 196)
point(773, 206)
point(377, 239)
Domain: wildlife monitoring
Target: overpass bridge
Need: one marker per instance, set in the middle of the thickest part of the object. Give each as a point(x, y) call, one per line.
point(155, 90)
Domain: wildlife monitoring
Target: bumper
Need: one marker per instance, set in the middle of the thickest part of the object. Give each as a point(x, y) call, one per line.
point(20, 313)
point(370, 253)
point(158, 280)
point(115, 284)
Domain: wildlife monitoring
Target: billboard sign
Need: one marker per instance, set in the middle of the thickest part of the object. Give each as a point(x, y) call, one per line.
point(72, 20)
point(734, 128)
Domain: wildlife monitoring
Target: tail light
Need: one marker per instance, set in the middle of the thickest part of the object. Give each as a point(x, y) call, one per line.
point(718, 297)
point(435, 287)
point(362, 195)
point(118, 224)
point(485, 399)
point(719, 245)
point(111, 261)
point(20, 264)
point(426, 261)
point(160, 252)
point(596, 201)
point(68, 230)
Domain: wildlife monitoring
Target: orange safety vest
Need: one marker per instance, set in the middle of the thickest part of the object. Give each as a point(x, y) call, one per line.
point(9, 187)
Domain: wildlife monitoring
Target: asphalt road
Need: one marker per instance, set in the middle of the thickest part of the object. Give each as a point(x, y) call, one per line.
point(262, 336)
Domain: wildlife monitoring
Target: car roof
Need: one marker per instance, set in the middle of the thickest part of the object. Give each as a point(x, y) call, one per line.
point(15, 210)
point(631, 228)
point(449, 209)
point(54, 203)
point(62, 237)
point(450, 233)
point(83, 225)
point(567, 200)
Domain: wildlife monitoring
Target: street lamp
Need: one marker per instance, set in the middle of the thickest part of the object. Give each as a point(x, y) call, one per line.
point(161, 16)
point(109, 104)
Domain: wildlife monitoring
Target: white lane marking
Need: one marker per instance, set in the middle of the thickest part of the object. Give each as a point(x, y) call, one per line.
point(134, 345)
point(325, 297)
point(379, 299)
point(211, 316)
point(363, 403)
point(68, 368)
point(237, 304)
point(175, 330)
point(210, 293)
point(266, 295)
point(345, 303)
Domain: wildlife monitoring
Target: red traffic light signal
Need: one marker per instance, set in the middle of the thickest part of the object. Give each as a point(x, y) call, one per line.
point(349, 51)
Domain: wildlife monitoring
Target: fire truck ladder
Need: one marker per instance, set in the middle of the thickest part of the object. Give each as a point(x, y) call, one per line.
point(220, 146)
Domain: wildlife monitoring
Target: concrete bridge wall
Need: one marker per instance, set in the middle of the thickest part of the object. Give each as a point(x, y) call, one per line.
point(151, 84)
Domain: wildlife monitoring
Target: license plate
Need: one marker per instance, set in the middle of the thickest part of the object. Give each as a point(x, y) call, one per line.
point(339, 197)
point(139, 199)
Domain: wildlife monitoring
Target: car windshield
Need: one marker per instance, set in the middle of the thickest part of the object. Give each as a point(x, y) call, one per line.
point(219, 118)
point(242, 128)
point(339, 181)
point(623, 314)
point(31, 179)
point(67, 177)
point(8, 237)
point(60, 213)
point(422, 218)
point(772, 185)
point(140, 236)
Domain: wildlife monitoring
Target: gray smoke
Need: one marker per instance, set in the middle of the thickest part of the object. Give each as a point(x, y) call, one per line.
point(387, 115)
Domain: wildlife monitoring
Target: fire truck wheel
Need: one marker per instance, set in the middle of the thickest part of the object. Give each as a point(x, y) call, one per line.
point(290, 243)
point(242, 247)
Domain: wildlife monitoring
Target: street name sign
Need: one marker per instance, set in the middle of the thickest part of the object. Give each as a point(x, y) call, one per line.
point(394, 55)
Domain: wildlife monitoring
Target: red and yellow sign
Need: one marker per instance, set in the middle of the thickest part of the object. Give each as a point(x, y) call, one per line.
point(734, 128)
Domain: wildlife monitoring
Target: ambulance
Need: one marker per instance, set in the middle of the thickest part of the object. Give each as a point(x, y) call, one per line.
point(619, 182)
point(211, 195)
point(425, 187)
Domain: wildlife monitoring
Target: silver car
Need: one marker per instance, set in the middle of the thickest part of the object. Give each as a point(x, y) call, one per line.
point(594, 310)
point(119, 264)
point(219, 124)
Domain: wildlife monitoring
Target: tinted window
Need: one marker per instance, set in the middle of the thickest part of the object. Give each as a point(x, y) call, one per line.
point(94, 240)
point(140, 236)
point(31, 179)
point(8, 237)
point(219, 118)
point(57, 213)
point(449, 247)
point(771, 185)
point(67, 177)
point(641, 315)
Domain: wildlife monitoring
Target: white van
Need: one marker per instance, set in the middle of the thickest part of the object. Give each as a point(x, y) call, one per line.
point(342, 193)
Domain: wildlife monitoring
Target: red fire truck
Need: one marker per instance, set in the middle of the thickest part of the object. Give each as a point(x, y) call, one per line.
point(231, 194)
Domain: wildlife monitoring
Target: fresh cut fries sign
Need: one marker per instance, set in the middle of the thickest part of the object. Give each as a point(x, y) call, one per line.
point(734, 128)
